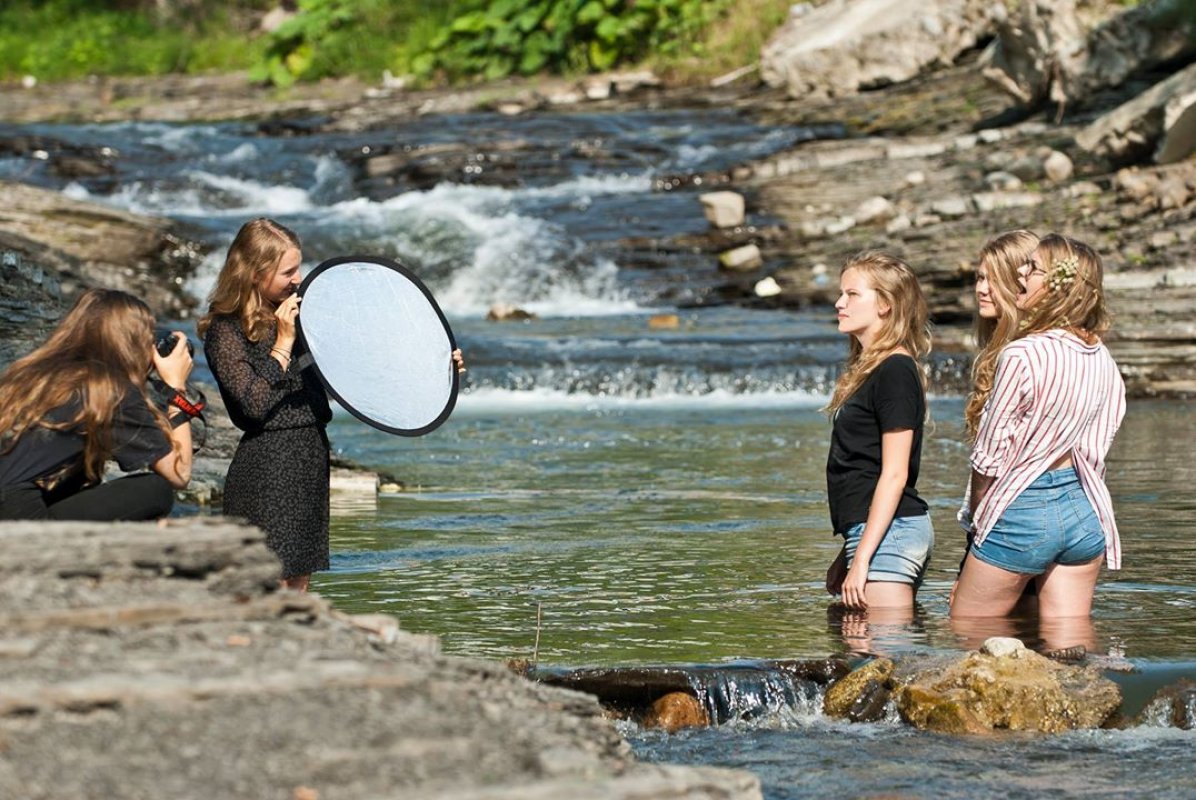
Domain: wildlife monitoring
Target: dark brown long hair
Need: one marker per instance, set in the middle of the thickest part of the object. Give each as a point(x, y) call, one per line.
point(252, 258)
point(103, 344)
point(907, 325)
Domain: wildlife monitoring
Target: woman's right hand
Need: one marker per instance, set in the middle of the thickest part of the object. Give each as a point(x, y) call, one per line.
point(286, 313)
point(175, 367)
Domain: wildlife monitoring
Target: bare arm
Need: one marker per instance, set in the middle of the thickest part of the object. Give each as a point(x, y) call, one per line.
point(895, 448)
point(174, 368)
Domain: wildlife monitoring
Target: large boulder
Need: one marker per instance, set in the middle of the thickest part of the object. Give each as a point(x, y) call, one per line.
point(1006, 687)
point(1159, 124)
point(1046, 52)
point(844, 46)
point(78, 245)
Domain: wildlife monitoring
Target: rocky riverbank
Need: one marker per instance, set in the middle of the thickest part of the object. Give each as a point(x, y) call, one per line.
point(143, 660)
point(929, 166)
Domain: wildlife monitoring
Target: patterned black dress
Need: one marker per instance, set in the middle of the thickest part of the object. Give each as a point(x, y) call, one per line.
point(278, 479)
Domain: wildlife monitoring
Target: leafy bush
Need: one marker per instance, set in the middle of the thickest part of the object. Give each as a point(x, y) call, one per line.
point(60, 39)
point(503, 37)
point(339, 37)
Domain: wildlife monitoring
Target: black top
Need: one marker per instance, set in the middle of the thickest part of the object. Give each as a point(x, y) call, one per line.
point(137, 442)
point(258, 394)
point(889, 399)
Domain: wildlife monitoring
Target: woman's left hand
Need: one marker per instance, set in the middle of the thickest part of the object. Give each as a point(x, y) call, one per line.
point(459, 361)
point(175, 367)
point(854, 585)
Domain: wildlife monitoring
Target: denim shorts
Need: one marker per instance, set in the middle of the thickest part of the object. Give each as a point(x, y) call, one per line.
point(904, 551)
point(1051, 522)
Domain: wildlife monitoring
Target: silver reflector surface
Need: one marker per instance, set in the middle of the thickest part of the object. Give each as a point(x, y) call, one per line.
point(379, 342)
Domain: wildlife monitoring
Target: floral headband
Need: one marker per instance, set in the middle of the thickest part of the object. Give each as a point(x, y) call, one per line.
point(1063, 273)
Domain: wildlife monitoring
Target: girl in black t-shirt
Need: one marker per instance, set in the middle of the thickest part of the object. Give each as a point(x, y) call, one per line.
point(79, 400)
point(878, 409)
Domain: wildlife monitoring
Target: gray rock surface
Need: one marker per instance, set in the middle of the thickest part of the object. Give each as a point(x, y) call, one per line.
point(81, 245)
point(149, 661)
point(1159, 124)
point(1047, 51)
point(843, 46)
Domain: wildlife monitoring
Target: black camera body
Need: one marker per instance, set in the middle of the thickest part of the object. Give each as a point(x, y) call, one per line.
point(164, 342)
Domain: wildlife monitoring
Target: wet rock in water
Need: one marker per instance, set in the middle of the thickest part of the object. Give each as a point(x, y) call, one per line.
point(674, 711)
point(741, 259)
point(768, 287)
point(664, 322)
point(1017, 690)
point(505, 312)
point(723, 209)
point(1003, 647)
point(856, 696)
point(1172, 706)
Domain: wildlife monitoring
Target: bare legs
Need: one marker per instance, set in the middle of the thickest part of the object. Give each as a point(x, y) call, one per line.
point(987, 593)
point(299, 583)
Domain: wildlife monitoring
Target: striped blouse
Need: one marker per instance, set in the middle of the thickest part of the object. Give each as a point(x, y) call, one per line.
point(1052, 395)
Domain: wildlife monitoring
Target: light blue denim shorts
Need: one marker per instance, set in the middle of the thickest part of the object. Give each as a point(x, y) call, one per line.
point(903, 554)
point(1051, 522)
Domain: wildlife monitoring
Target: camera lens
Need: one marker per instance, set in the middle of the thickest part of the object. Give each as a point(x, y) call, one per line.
point(164, 342)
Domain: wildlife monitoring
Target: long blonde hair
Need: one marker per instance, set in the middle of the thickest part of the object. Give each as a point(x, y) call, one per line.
point(906, 325)
point(103, 344)
point(1074, 301)
point(1000, 258)
point(252, 259)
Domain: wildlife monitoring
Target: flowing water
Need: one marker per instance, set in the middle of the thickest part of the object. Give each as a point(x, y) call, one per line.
point(609, 494)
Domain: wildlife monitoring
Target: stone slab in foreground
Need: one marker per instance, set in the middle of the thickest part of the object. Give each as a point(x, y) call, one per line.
point(158, 660)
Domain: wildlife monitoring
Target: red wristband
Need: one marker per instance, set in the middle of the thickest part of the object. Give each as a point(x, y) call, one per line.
point(180, 402)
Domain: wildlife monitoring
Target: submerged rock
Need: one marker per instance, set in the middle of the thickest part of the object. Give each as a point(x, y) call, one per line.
point(674, 711)
point(861, 696)
point(1015, 689)
point(1172, 706)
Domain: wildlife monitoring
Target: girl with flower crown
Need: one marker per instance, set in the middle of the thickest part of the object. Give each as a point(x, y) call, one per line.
point(1039, 503)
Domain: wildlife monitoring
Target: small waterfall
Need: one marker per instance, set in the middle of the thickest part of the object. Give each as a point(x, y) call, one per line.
point(756, 694)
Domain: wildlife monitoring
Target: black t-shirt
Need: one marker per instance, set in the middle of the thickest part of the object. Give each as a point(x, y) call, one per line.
point(137, 442)
point(889, 399)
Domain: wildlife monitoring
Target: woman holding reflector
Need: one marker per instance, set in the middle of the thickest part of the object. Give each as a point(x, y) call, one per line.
point(278, 479)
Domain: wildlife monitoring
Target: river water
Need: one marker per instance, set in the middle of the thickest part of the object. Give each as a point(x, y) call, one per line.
point(609, 494)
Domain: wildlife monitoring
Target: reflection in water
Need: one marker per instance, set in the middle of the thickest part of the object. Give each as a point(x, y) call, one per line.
point(877, 631)
point(1045, 635)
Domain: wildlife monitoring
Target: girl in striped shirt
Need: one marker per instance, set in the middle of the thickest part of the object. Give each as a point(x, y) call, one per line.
point(1039, 503)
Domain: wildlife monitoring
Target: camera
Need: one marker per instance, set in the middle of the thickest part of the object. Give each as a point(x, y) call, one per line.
point(164, 342)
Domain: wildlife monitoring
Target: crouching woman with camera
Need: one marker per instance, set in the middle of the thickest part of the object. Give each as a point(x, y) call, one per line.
point(81, 399)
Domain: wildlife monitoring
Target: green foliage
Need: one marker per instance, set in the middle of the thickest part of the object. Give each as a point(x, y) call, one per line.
point(59, 39)
point(340, 37)
point(503, 37)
